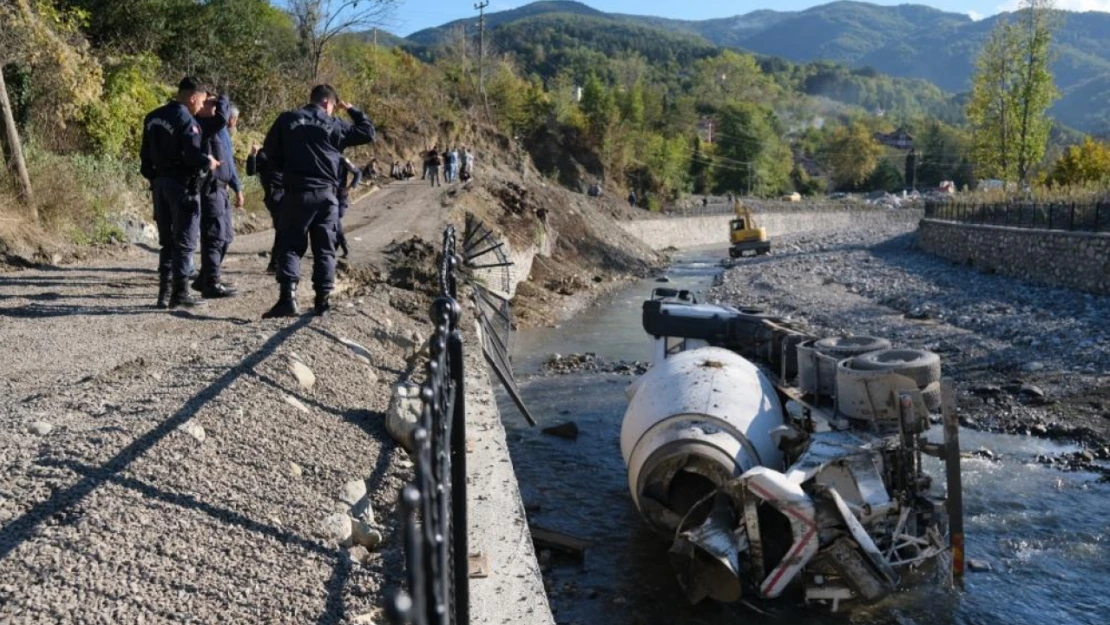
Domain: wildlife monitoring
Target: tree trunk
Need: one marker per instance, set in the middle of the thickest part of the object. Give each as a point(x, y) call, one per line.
point(19, 168)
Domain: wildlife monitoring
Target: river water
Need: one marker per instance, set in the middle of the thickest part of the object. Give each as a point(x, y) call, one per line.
point(1045, 533)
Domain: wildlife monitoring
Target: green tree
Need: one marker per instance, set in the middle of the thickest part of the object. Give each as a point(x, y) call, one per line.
point(850, 155)
point(1086, 163)
point(752, 154)
point(599, 106)
point(1011, 93)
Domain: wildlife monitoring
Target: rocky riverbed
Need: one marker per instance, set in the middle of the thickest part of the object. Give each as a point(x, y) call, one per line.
point(1026, 359)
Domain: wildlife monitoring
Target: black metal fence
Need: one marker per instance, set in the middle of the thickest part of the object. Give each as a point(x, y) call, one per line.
point(1075, 216)
point(433, 507)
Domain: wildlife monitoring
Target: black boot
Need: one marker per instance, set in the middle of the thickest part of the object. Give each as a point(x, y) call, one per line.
point(286, 305)
point(164, 285)
point(216, 289)
point(323, 304)
point(181, 297)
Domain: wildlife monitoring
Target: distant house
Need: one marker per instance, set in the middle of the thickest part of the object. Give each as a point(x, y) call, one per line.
point(899, 139)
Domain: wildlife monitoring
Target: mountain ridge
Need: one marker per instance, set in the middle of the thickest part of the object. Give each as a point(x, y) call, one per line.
point(905, 41)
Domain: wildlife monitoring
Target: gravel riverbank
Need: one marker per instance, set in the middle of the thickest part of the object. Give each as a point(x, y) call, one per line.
point(1026, 359)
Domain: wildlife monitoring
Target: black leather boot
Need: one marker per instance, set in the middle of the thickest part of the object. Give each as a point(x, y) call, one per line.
point(164, 286)
point(181, 297)
point(323, 303)
point(215, 290)
point(286, 305)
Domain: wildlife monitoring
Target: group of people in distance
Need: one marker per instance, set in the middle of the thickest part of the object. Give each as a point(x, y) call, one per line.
point(455, 164)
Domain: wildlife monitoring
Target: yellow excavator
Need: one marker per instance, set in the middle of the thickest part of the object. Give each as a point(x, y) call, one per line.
point(744, 235)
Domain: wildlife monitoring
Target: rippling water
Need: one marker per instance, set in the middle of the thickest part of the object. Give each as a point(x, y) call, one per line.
point(1045, 533)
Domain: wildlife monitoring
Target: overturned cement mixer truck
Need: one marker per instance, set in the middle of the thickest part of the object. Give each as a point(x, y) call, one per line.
point(780, 465)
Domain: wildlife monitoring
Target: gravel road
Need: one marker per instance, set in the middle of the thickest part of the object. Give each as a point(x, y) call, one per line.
point(1026, 359)
point(172, 467)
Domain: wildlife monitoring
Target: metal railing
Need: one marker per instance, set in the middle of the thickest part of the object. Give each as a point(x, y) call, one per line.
point(1073, 216)
point(433, 507)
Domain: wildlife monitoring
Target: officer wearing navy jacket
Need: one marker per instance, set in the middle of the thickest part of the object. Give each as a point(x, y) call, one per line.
point(215, 210)
point(273, 190)
point(306, 145)
point(172, 159)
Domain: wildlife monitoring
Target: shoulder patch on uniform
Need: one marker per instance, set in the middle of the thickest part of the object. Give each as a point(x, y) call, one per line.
point(193, 129)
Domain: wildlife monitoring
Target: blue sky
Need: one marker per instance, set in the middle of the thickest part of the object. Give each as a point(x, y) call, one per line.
point(413, 15)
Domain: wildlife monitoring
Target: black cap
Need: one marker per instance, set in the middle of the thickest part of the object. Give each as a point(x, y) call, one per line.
point(192, 84)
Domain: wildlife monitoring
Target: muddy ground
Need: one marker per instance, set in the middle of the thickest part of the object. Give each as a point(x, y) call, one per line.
point(1026, 359)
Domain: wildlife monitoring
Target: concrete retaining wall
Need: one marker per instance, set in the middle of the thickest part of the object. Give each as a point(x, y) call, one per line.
point(696, 231)
point(1078, 260)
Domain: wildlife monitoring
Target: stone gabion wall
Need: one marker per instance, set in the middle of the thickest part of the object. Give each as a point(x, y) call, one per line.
point(1078, 260)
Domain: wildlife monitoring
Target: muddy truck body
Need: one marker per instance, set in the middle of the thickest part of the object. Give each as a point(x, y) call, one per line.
point(781, 466)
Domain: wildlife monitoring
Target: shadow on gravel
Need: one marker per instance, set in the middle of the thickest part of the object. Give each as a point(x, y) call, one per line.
point(42, 311)
point(62, 500)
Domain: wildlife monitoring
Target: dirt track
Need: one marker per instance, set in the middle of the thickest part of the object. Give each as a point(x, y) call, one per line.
point(115, 507)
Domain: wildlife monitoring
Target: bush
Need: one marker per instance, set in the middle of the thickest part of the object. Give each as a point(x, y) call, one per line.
point(115, 122)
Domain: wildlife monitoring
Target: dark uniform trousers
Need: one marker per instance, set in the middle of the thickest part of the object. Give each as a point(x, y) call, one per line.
point(177, 213)
point(272, 198)
point(216, 231)
point(308, 214)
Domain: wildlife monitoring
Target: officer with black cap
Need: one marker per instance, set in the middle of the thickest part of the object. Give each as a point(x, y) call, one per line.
point(306, 145)
point(172, 159)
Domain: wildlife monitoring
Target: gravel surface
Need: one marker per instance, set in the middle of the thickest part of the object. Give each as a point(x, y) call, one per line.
point(202, 466)
point(1026, 359)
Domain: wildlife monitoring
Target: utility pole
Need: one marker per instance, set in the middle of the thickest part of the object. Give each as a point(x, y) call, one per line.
point(15, 149)
point(481, 6)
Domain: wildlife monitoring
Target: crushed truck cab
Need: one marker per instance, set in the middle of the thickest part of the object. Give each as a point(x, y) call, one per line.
point(744, 236)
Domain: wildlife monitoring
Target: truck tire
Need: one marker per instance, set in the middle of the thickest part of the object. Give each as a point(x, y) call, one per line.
point(919, 365)
point(847, 346)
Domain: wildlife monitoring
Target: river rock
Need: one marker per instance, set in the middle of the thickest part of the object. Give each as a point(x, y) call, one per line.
point(40, 428)
point(305, 377)
point(352, 492)
point(404, 413)
point(295, 469)
point(337, 527)
point(568, 430)
point(358, 554)
point(194, 429)
point(296, 403)
point(364, 535)
point(979, 566)
point(359, 351)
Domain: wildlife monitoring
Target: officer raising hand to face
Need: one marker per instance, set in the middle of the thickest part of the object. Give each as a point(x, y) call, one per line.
point(174, 162)
point(306, 145)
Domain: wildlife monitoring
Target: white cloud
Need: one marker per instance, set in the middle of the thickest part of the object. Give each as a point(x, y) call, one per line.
point(975, 15)
point(1067, 5)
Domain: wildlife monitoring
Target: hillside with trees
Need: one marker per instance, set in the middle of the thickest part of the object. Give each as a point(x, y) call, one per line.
point(908, 41)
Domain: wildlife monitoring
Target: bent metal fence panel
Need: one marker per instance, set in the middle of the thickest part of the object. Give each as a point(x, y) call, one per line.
point(433, 507)
point(1070, 216)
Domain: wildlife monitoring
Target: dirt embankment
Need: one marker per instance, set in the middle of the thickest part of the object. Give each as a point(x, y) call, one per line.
point(1026, 359)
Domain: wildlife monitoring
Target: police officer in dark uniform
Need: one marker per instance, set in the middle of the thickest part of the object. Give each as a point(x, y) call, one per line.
point(306, 145)
point(172, 159)
point(258, 164)
point(349, 178)
point(215, 207)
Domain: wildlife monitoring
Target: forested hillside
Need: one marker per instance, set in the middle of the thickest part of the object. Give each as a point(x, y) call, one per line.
point(910, 41)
